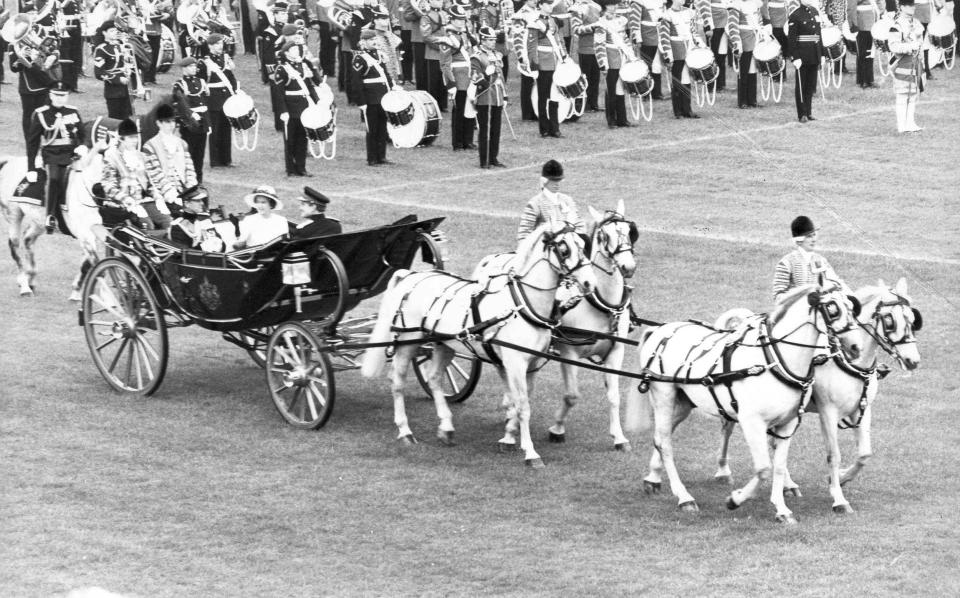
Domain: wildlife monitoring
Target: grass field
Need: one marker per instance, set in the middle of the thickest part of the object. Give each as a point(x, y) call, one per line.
point(202, 490)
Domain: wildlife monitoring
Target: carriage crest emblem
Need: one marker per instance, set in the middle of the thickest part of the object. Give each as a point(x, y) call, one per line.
point(209, 294)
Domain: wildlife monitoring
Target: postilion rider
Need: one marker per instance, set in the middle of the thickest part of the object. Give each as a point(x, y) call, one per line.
point(803, 265)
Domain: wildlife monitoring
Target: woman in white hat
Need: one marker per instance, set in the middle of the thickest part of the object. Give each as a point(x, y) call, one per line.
point(265, 225)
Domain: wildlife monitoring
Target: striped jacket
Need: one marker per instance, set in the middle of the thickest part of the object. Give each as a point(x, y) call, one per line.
point(544, 207)
point(125, 181)
point(170, 172)
point(798, 268)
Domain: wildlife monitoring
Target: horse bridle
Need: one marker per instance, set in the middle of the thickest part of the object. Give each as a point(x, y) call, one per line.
point(885, 322)
point(624, 245)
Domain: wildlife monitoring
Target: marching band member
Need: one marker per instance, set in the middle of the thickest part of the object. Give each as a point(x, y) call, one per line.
point(348, 22)
point(158, 13)
point(779, 12)
point(373, 82)
point(541, 54)
point(328, 39)
point(264, 225)
point(497, 15)
point(56, 133)
point(194, 228)
point(433, 26)
point(491, 94)
point(645, 27)
point(169, 166)
point(191, 91)
point(403, 8)
point(126, 183)
point(455, 67)
point(34, 87)
point(906, 38)
point(803, 266)
point(527, 13)
point(862, 14)
point(110, 66)
point(583, 21)
point(609, 41)
point(217, 70)
point(680, 30)
point(267, 33)
point(71, 43)
point(716, 21)
point(411, 17)
point(549, 205)
point(313, 207)
point(806, 49)
point(743, 27)
point(922, 13)
point(297, 78)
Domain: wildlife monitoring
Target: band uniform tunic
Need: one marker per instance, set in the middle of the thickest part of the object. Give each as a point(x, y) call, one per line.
point(217, 71)
point(373, 83)
point(491, 97)
point(298, 83)
point(110, 66)
point(805, 44)
point(192, 92)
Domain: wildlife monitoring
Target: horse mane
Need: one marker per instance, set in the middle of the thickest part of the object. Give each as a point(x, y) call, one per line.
point(530, 241)
point(788, 300)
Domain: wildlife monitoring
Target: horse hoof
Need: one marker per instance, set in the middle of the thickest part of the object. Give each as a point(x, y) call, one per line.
point(446, 438)
point(723, 479)
point(535, 463)
point(842, 509)
point(26, 293)
point(795, 492)
point(557, 438)
point(689, 507)
point(787, 519)
point(651, 487)
point(409, 439)
point(506, 447)
point(732, 504)
point(623, 446)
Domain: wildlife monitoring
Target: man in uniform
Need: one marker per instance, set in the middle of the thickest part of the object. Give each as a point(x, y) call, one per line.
point(583, 21)
point(191, 91)
point(549, 205)
point(169, 166)
point(802, 265)
point(267, 34)
point(433, 26)
point(34, 87)
point(644, 26)
point(217, 70)
point(608, 40)
point(862, 14)
point(110, 66)
point(411, 17)
point(56, 131)
point(806, 48)
point(745, 20)
point(313, 207)
point(542, 53)
point(487, 77)
point(373, 81)
point(297, 79)
point(455, 67)
point(680, 30)
point(906, 40)
point(71, 44)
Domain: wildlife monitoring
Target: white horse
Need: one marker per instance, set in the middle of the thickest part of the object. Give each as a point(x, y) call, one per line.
point(461, 315)
point(759, 374)
point(844, 389)
point(25, 221)
point(605, 311)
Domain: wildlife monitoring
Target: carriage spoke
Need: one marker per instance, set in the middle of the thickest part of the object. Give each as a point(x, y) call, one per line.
point(141, 346)
point(148, 347)
point(135, 353)
point(456, 387)
point(116, 358)
point(294, 356)
point(127, 378)
point(309, 397)
point(460, 370)
point(284, 355)
point(112, 339)
point(112, 309)
point(321, 396)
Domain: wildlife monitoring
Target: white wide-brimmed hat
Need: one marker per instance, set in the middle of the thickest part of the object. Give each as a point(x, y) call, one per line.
point(264, 191)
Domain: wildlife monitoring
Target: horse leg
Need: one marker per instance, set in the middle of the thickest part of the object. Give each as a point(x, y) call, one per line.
point(654, 479)
point(828, 427)
point(669, 409)
point(511, 424)
point(611, 383)
point(442, 356)
point(755, 433)
point(780, 452)
point(398, 373)
point(517, 378)
point(864, 449)
point(571, 395)
point(723, 465)
point(80, 277)
point(29, 257)
point(15, 243)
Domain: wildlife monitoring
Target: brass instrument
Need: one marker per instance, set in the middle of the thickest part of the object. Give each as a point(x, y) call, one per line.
point(32, 43)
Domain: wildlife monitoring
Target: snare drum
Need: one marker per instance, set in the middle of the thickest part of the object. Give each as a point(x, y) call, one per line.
point(636, 79)
point(702, 65)
point(769, 58)
point(881, 34)
point(317, 121)
point(942, 32)
point(832, 39)
point(569, 80)
point(166, 53)
point(419, 114)
point(240, 111)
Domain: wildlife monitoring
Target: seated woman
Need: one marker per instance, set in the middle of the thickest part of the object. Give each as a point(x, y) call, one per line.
point(194, 228)
point(264, 226)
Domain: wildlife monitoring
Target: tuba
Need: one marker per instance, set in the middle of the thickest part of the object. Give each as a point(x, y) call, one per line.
point(33, 44)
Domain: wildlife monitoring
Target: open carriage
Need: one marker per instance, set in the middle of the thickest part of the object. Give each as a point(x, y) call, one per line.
point(284, 303)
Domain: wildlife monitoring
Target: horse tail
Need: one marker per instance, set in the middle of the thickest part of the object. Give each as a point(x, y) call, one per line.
point(375, 357)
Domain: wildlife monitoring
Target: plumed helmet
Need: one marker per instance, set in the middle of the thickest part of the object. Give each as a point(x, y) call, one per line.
point(801, 226)
point(127, 127)
point(165, 112)
point(552, 170)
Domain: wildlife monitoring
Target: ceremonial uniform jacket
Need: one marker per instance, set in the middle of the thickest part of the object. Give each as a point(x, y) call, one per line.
point(193, 92)
point(549, 207)
point(109, 66)
point(862, 14)
point(34, 80)
point(410, 17)
point(267, 35)
point(455, 62)
point(297, 80)
point(779, 11)
point(217, 71)
point(125, 180)
point(799, 268)
point(608, 53)
point(496, 14)
point(317, 225)
point(196, 231)
point(372, 77)
point(583, 18)
point(678, 31)
point(491, 90)
point(906, 37)
point(644, 22)
point(432, 27)
point(804, 35)
point(743, 25)
point(718, 13)
point(532, 39)
point(169, 168)
point(55, 132)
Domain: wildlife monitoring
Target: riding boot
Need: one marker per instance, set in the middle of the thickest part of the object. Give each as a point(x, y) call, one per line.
point(901, 113)
point(911, 115)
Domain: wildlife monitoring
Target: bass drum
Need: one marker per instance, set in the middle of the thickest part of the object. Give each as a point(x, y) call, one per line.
point(317, 121)
point(769, 58)
point(240, 111)
point(413, 117)
point(832, 39)
point(569, 80)
point(636, 78)
point(167, 51)
point(702, 65)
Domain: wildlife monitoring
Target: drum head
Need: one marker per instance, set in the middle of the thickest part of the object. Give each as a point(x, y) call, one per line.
point(699, 58)
point(941, 26)
point(237, 105)
point(830, 36)
point(634, 71)
point(324, 95)
point(396, 101)
point(567, 73)
point(881, 30)
point(316, 116)
point(767, 50)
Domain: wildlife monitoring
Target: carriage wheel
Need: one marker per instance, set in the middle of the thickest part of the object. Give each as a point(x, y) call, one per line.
point(258, 350)
point(458, 381)
point(299, 376)
point(124, 327)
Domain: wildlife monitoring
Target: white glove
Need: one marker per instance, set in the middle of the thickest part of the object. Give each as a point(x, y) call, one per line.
point(32, 176)
point(50, 61)
point(796, 63)
point(285, 116)
point(38, 162)
point(81, 150)
point(490, 69)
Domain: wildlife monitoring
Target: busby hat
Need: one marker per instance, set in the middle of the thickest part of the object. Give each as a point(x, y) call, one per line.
point(486, 32)
point(165, 112)
point(106, 25)
point(127, 127)
point(188, 61)
point(264, 191)
point(59, 87)
point(457, 12)
point(311, 195)
point(289, 29)
point(801, 227)
point(552, 171)
point(214, 38)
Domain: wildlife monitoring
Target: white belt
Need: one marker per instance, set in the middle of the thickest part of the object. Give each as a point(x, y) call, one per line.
point(748, 27)
point(376, 80)
point(776, 4)
point(59, 142)
point(865, 8)
point(199, 109)
point(649, 23)
point(299, 92)
point(808, 38)
point(460, 63)
point(213, 85)
point(545, 48)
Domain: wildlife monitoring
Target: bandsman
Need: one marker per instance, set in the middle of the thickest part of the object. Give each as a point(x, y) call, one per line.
point(297, 79)
point(268, 30)
point(411, 15)
point(191, 91)
point(110, 66)
point(644, 26)
point(34, 86)
point(56, 134)
point(520, 34)
point(715, 28)
point(779, 12)
point(744, 25)
point(373, 82)
point(680, 31)
point(455, 67)
point(217, 70)
point(71, 43)
point(491, 95)
point(169, 165)
point(610, 39)
point(584, 16)
point(497, 15)
point(862, 14)
point(433, 25)
point(906, 40)
point(806, 49)
point(540, 49)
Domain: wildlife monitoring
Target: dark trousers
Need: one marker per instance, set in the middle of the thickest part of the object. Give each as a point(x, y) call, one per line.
point(119, 108)
point(31, 102)
point(406, 61)
point(721, 63)
point(295, 146)
point(680, 93)
point(526, 99)
point(864, 58)
point(926, 53)
point(806, 86)
point(461, 127)
point(615, 106)
point(746, 82)
point(591, 70)
point(276, 104)
point(197, 147)
point(328, 50)
point(221, 139)
point(435, 84)
point(56, 187)
point(376, 134)
point(150, 73)
point(71, 51)
point(649, 53)
point(420, 65)
point(488, 118)
point(781, 36)
point(345, 80)
point(547, 110)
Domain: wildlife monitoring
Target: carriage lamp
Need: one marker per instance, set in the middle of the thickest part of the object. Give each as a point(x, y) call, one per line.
point(296, 273)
